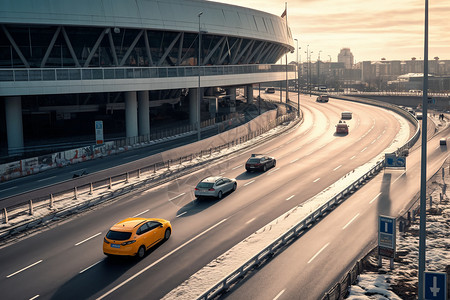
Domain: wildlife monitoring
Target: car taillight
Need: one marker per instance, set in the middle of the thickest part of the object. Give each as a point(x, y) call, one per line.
point(196, 189)
point(105, 240)
point(211, 190)
point(128, 243)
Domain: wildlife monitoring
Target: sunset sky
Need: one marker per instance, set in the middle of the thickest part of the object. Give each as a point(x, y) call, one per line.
point(371, 29)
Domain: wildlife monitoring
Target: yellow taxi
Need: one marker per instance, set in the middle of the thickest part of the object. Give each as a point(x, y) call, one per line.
point(134, 236)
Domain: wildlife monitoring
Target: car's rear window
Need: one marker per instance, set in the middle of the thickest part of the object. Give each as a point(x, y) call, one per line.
point(253, 161)
point(118, 235)
point(205, 185)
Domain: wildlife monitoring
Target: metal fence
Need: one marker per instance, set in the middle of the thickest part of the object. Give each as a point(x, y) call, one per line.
point(58, 74)
point(111, 187)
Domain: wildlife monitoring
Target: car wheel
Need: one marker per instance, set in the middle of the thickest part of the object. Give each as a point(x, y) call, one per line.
point(234, 186)
point(167, 234)
point(265, 168)
point(219, 195)
point(141, 252)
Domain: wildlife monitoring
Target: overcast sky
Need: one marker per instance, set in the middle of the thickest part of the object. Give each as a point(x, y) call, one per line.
point(372, 29)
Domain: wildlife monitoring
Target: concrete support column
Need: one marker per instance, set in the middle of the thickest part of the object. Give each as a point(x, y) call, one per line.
point(14, 127)
point(249, 92)
point(232, 93)
point(144, 113)
point(131, 114)
point(193, 107)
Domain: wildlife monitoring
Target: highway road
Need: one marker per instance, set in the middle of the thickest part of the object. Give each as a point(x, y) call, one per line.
point(65, 261)
point(322, 255)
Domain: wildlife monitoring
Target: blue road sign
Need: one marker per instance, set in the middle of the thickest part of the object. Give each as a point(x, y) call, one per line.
point(387, 225)
point(435, 286)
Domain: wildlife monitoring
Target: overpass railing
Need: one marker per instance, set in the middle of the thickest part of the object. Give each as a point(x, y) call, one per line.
point(56, 74)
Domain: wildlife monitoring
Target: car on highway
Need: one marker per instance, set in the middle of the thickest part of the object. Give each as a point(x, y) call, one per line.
point(443, 142)
point(346, 115)
point(215, 187)
point(419, 115)
point(269, 90)
point(342, 127)
point(260, 162)
point(134, 236)
point(322, 98)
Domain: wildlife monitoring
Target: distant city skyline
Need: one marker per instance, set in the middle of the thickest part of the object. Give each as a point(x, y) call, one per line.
point(371, 29)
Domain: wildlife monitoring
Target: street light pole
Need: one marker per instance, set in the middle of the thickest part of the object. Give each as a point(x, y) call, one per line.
point(297, 77)
point(423, 165)
point(199, 88)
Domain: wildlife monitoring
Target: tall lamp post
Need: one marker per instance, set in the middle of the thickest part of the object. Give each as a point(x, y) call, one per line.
point(297, 77)
point(199, 88)
point(318, 71)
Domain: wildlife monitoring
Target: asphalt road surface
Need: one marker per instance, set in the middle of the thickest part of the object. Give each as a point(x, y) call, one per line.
point(66, 261)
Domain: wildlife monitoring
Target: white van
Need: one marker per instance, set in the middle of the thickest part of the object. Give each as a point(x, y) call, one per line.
point(346, 115)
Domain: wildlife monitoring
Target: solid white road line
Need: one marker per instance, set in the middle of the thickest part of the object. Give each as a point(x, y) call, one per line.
point(91, 266)
point(290, 197)
point(85, 240)
point(183, 213)
point(399, 177)
point(279, 294)
point(370, 202)
point(237, 167)
point(141, 213)
point(317, 179)
point(250, 182)
point(23, 269)
point(349, 222)
point(13, 187)
point(44, 179)
point(249, 221)
point(35, 297)
point(159, 260)
point(318, 252)
point(274, 170)
point(176, 196)
point(337, 167)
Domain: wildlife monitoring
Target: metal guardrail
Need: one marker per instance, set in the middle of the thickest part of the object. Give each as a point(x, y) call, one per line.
point(58, 74)
point(223, 285)
point(106, 185)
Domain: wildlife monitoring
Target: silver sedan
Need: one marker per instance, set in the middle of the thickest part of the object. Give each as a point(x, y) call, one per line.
point(215, 186)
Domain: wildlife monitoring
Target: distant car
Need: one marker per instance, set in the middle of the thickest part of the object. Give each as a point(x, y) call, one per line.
point(322, 98)
point(269, 90)
point(342, 128)
point(260, 162)
point(346, 115)
point(419, 115)
point(443, 142)
point(215, 186)
point(134, 236)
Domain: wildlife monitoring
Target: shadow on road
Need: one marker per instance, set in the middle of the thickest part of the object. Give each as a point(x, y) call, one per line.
point(98, 277)
point(384, 204)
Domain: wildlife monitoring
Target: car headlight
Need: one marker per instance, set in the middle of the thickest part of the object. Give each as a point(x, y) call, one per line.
point(128, 243)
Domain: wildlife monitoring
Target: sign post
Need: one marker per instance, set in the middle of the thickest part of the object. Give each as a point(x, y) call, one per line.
point(435, 286)
point(99, 133)
point(386, 239)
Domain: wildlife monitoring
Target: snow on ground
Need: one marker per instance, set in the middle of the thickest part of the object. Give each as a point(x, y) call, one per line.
point(220, 267)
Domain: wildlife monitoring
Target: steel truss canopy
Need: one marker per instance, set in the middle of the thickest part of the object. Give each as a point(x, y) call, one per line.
point(141, 33)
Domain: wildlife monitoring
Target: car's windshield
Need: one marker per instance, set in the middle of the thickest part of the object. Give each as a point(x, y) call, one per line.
point(118, 235)
point(253, 161)
point(205, 185)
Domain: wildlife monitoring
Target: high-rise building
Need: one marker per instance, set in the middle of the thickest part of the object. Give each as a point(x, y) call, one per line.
point(346, 57)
